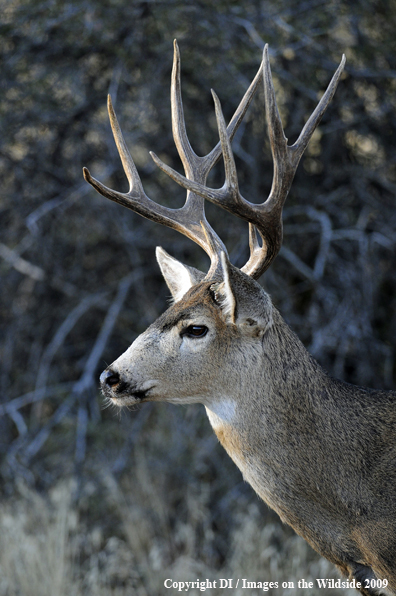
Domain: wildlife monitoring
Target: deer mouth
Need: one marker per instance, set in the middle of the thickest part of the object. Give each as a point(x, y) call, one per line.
point(125, 394)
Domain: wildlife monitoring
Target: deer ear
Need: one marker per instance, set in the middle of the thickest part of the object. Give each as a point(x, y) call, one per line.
point(223, 292)
point(243, 301)
point(178, 277)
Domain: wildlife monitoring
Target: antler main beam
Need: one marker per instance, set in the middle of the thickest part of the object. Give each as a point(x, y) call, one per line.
point(267, 216)
point(190, 219)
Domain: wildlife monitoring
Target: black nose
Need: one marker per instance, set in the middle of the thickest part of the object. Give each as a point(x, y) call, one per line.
point(109, 377)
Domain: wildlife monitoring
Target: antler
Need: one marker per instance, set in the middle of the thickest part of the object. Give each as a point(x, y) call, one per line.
point(265, 217)
point(190, 219)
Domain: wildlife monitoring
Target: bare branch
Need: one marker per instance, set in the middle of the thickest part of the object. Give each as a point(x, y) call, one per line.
point(20, 264)
point(86, 380)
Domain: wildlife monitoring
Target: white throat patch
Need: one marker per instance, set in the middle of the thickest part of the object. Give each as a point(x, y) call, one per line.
point(221, 411)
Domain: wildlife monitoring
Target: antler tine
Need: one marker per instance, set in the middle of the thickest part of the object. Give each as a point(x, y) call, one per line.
point(258, 254)
point(136, 199)
point(183, 146)
point(190, 219)
point(228, 196)
point(300, 145)
point(237, 118)
point(286, 159)
point(267, 216)
point(194, 165)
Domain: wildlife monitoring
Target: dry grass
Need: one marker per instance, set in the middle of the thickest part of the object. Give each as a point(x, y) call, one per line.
point(132, 542)
point(36, 554)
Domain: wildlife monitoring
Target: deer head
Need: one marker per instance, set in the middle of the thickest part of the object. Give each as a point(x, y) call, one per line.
point(227, 302)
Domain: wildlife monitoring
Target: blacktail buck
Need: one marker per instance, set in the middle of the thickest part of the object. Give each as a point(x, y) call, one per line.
point(320, 452)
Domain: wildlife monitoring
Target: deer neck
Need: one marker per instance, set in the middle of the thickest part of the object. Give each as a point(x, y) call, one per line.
point(272, 417)
point(280, 377)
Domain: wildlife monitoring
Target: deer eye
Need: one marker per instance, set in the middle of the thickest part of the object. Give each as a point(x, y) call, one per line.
point(195, 331)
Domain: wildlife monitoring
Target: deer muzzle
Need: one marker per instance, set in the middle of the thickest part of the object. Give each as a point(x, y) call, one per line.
point(115, 388)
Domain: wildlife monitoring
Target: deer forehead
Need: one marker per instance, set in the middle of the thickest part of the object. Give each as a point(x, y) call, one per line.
point(198, 304)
